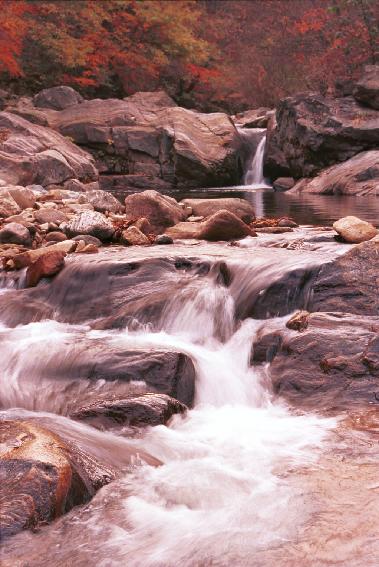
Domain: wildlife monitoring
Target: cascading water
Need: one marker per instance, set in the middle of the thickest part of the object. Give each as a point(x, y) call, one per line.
point(254, 172)
point(232, 489)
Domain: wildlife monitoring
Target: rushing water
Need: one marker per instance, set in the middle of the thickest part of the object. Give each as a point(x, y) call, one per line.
point(245, 481)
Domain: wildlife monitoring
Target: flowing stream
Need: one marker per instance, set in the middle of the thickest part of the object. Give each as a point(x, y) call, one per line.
point(243, 476)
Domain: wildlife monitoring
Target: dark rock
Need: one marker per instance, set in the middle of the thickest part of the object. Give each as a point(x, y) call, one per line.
point(47, 265)
point(15, 233)
point(298, 321)
point(287, 223)
point(349, 283)
point(330, 364)
point(223, 225)
point(283, 183)
point(57, 98)
point(358, 176)
point(257, 118)
point(55, 236)
point(91, 223)
point(145, 410)
point(160, 210)
point(163, 239)
point(366, 90)
point(314, 132)
point(206, 207)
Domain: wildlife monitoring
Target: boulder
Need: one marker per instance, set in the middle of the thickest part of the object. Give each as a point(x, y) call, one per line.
point(163, 239)
point(26, 258)
point(332, 363)
point(38, 480)
point(57, 98)
point(314, 132)
point(223, 225)
point(91, 223)
point(144, 410)
point(283, 183)
point(32, 154)
point(103, 201)
point(88, 239)
point(140, 136)
point(160, 210)
point(8, 205)
point(47, 265)
point(349, 283)
point(366, 89)
point(206, 207)
point(132, 236)
point(47, 215)
point(15, 233)
point(358, 176)
point(354, 230)
point(55, 236)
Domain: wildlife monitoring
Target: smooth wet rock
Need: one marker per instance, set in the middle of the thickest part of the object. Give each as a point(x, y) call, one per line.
point(88, 239)
point(38, 480)
point(349, 283)
point(366, 90)
point(223, 225)
point(91, 223)
point(160, 210)
point(15, 233)
point(357, 176)
point(207, 207)
point(287, 223)
point(145, 410)
point(132, 236)
point(26, 258)
point(103, 201)
point(163, 239)
point(55, 236)
point(354, 230)
point(57, 98)
point(332, 363)
point(282, 184)
point(47, 265)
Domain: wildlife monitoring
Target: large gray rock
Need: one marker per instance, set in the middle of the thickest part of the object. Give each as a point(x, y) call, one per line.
point(32, 154)
point(92, 223)
point(331, 363)
point(160, 210)
point(350, 283)
point(57, 98)
point(206, 207)
point(15, 233)
point(358, 175)
point(314, 132)
point(140, 136)
point(354, 230)
point(366, 90)
point(102, 201)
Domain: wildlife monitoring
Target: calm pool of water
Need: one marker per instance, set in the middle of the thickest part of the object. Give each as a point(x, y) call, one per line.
point(304, 209)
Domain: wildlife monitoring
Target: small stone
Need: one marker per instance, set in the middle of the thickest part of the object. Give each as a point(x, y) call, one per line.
point(90, 249)
point(144, 226)
point(163, 239)
point(298, 321)
point(88, 239)
point(80, 247)
point(133, 236)
point(288, 223)
point(55, 236)
point(195, 219)
point(354, 230)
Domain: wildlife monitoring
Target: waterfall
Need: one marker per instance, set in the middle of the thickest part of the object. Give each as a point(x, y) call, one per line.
point(254, 172)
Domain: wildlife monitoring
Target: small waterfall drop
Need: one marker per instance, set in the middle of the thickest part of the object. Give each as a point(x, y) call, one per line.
point(254, 172)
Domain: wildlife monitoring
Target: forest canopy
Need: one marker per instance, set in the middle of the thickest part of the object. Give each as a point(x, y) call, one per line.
point(209, 54)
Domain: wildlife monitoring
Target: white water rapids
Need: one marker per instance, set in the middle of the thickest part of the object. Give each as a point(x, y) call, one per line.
point(222, 496)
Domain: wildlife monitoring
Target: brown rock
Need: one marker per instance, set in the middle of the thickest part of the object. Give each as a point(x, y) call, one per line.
point(55, 236)
point(298, 321)
point(223, 225)
point(50, 215)
point(8, 205)
point(144, 226)
point(90, 249)
point(15, 233)
point(161, 211)
point(132, 236)
point(283, 183)
point(26, 258)
point(24, 197)
point(206, 207)
point(354, 230)
point(57, 98)
point(46, 265)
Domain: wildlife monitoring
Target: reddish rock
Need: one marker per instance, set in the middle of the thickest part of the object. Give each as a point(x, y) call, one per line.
point(224, 225)
point(132, 236)
point(47, 265)
point(55, 236)
point(161, 211)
